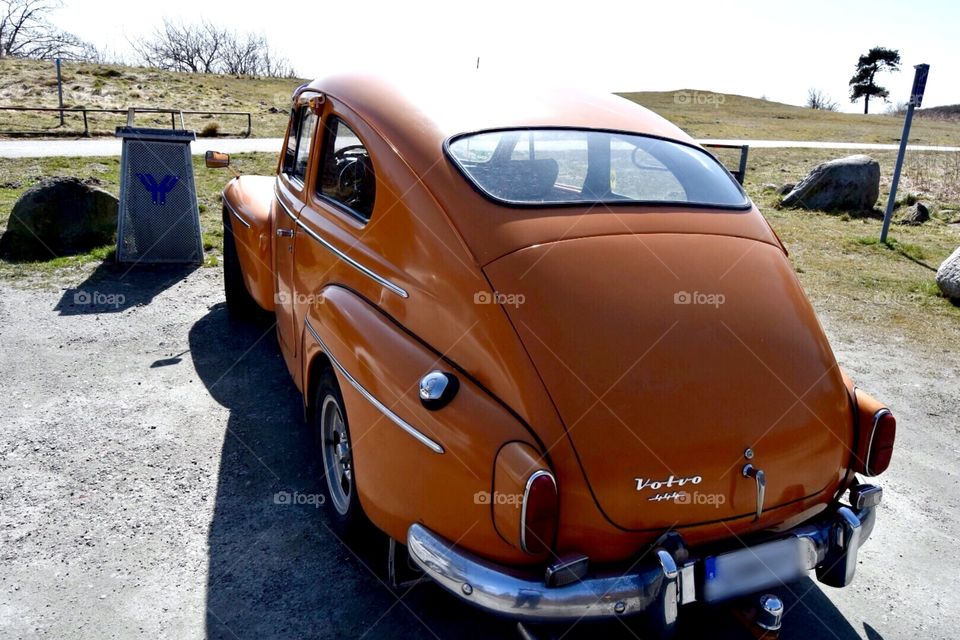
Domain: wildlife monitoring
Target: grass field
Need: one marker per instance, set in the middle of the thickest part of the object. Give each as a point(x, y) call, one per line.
point(701, 113)
point(715, 115)
point(837, 256)
point(33, 83)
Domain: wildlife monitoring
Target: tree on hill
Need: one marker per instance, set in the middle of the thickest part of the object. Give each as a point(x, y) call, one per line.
point(26, 32)
point(817, 99)
point(863, 83)
point(205, 48)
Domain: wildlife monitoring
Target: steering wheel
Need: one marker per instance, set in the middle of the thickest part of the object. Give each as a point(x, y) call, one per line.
point(349, 151)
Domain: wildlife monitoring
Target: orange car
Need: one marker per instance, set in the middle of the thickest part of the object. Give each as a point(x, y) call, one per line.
point(549, 345)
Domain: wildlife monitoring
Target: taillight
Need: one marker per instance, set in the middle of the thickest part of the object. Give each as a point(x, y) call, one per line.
point(538, 517)
point(880, 447)
point(876, 432)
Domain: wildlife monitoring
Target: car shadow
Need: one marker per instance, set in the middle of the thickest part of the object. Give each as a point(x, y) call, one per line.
point(114, 288)
point(275, 570)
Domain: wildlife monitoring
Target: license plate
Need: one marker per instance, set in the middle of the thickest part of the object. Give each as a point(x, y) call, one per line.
point(752, 569)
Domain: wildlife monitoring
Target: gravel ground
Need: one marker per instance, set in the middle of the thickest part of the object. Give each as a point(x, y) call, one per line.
point(144, 437)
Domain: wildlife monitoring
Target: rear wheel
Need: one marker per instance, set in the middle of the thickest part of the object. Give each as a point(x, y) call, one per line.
point(340, 480)
point(240, 303)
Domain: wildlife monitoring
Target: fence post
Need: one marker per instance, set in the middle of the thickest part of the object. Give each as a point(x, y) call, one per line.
point(86, 128)
point(60, 90)
point(249, 124)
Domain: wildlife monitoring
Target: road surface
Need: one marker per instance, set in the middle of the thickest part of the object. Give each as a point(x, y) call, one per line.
point(102, 147)
point(143, 443)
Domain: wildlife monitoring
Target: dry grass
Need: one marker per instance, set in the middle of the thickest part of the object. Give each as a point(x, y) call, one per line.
point(33, 83)
point(888, 289)
point(713, 115)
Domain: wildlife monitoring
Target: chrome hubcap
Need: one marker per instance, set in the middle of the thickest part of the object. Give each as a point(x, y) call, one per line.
point(337, 461)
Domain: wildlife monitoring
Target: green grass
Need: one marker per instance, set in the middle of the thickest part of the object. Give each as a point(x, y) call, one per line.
point(18, 175)
point(33, 83)
point(704, 114)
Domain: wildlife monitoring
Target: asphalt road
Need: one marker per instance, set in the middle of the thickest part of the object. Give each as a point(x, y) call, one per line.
point(144, 437)
point(103, 147)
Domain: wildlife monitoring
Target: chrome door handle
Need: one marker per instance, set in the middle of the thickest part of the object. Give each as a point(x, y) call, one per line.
point(750, 471)
point(284, 233)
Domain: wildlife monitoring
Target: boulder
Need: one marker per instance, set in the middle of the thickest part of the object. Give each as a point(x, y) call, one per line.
point(845, 184)
point(916, 214)
point(785, 189)
point(948, 276)
point(59, 217)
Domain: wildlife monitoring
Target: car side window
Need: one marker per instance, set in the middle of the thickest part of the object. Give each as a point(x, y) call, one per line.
point(297, 154)
point(346, 172)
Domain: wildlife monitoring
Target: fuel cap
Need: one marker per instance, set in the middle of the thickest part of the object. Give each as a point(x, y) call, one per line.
point(437, 389)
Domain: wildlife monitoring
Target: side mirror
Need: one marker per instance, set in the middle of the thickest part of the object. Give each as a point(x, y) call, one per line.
point(216, 160)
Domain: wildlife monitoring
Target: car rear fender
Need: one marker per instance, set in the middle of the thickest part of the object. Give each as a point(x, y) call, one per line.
point(412, 463)
point(248, 203)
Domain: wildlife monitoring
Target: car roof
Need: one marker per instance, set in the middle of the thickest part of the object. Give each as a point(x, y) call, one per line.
point(418, 114)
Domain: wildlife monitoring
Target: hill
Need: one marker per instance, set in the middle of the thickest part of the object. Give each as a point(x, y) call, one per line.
point(703, 114)
point(33, 83)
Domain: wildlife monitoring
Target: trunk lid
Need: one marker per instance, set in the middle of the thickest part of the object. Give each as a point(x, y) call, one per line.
point(668, 356)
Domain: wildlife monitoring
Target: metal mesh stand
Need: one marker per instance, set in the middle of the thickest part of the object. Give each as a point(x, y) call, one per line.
point(159, 218)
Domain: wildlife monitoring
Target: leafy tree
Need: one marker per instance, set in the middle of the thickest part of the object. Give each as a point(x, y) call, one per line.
point(863, 84)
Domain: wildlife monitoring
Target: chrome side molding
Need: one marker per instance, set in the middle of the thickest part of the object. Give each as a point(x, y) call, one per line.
point(384, 409)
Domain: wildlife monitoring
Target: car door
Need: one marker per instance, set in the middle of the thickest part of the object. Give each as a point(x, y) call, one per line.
point(292, 185)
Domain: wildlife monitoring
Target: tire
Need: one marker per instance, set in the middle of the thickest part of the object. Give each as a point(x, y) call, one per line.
point(240, 303)
point(339, 485)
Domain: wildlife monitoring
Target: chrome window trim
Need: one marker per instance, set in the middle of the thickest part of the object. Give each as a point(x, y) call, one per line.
point(236, 215)
point(523, 507)
point(386, 284)
point(397, 420)
point(286, 209)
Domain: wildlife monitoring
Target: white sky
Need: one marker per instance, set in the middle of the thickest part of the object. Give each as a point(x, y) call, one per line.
point(754, 48)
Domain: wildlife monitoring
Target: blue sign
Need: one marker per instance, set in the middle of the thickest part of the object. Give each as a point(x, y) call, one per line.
point(158, 190)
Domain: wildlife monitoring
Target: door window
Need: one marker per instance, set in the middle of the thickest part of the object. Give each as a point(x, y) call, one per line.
point(346, 173)
point(302, 127)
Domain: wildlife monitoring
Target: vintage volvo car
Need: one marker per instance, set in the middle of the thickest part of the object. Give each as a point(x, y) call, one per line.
point(551, 348)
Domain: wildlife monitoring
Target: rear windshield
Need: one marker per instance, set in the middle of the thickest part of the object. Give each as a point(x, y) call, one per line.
point(565, 166)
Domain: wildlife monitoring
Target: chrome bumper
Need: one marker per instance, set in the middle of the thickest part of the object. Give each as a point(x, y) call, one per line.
point(657, 585)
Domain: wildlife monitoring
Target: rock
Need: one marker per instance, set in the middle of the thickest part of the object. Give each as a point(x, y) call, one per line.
point(59, 217)
point(850, 184)
point(916, 214)
point(769, 186)
point(948, 276)
point(787, 188)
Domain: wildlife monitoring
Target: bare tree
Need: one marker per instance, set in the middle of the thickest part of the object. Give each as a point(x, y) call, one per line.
point(26, 32)
point(204, 48)
point(182, 47)
point(817, 99)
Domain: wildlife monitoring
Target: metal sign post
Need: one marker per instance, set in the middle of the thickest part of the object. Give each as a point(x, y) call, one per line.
point(916, 97)
point(60, 90)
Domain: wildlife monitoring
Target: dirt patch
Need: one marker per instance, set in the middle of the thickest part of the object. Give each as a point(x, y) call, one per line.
point(144, 437)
